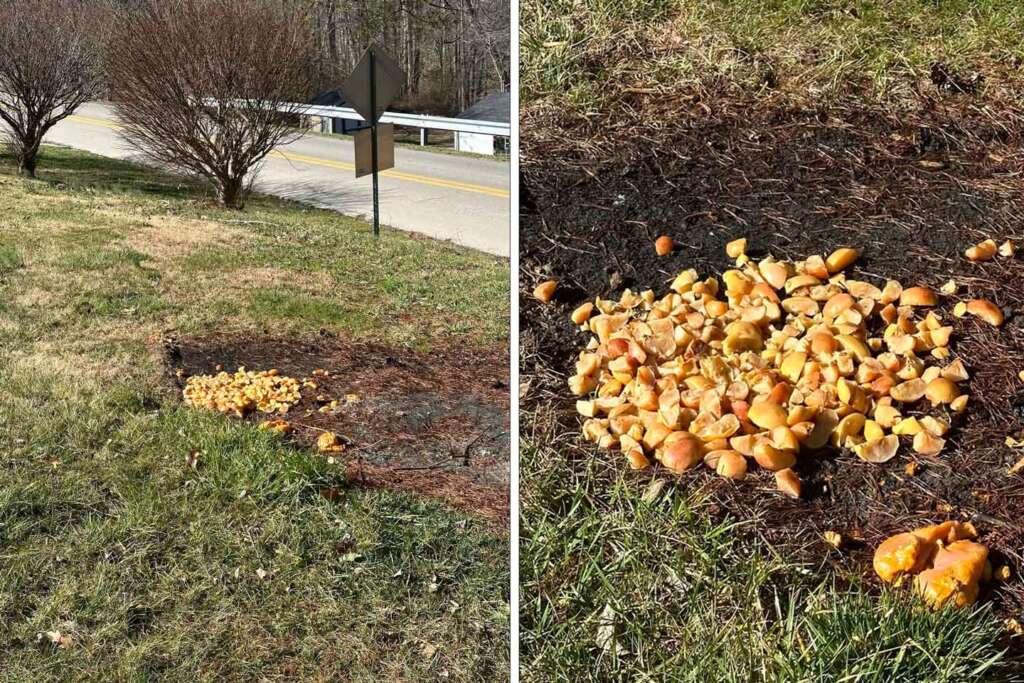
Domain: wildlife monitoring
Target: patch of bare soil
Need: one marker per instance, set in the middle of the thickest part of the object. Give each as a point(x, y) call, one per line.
point(435, 424)
point(913, 190)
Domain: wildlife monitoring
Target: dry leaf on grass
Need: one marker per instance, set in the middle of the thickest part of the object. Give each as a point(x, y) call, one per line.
point(605, 637)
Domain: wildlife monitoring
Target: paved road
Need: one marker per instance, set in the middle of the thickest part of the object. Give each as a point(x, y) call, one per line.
point(451, 197)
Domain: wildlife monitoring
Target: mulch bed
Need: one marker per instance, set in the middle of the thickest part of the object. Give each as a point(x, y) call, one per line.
point(913, 189)
point(434, 424)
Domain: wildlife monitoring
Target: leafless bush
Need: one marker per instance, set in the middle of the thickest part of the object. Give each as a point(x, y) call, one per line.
point(51, 57)
point(197, 84)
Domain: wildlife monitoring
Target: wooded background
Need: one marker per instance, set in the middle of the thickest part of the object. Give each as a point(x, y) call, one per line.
point(453, 51)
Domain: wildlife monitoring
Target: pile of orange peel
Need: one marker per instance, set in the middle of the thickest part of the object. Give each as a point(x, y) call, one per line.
point(777, 359)
point(266, 391)
point(946, 563)
point(243, 391)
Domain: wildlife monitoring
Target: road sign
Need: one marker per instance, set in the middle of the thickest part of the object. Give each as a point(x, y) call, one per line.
point(372, 86)
point(387, 80)
point(385, 149)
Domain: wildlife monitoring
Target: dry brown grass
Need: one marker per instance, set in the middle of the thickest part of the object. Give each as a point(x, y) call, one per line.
point(166, 238)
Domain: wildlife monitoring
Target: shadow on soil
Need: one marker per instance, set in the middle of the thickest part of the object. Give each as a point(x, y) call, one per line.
point(428, 423)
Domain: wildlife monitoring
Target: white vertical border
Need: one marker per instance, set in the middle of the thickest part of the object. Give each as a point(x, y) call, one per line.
point(514, 349)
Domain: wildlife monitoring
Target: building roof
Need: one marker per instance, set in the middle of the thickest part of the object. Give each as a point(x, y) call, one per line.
point(495, 107)
point(329, 98)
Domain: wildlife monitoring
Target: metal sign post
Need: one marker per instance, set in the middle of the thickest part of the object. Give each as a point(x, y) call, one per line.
point(373, 144)
point(373, 85)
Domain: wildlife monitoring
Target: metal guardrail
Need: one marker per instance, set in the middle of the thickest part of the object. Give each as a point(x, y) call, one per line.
point(422, 121)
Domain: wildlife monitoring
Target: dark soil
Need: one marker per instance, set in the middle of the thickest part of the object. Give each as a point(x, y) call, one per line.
point(913, 190)
point(435, 424)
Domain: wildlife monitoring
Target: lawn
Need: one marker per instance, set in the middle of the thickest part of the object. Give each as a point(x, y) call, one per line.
point(123, 557)
point(591, 54)
point(804, 126)
point(623, 579)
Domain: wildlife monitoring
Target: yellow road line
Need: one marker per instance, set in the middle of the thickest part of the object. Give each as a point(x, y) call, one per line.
point(95, 122)
point(341, 165)
point(400, 175)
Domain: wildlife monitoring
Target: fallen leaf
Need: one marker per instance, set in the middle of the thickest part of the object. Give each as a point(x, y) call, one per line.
point(56, 638)
point(331, 493)
point(606, 630)
point(653, 490)
point(1017, 467)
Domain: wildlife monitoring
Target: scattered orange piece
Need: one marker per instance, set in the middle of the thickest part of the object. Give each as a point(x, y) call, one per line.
point(947, 564)
point(986, 310)
point(983, 251)
point(545, 290)
point(328, 442)
point(277, 426)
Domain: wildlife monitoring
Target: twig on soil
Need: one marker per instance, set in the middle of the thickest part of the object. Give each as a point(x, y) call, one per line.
point(251, 222)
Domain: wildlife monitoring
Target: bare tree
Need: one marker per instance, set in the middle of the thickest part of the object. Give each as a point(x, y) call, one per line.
point(198, 84)
point(51, 57)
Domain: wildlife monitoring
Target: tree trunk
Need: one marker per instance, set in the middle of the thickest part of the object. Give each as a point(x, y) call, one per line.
point(28, 158)
point(232, 194)
point(332, 36)
point(27, 166)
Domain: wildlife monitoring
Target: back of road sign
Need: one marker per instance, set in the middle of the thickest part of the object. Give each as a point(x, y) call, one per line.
point(385, 149)
point(389, 81)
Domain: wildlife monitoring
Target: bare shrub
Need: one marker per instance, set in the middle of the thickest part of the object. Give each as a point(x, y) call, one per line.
point(51, 57)
point(198, 83)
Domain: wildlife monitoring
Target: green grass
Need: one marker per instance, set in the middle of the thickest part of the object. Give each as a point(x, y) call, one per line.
point(148, 231)
point(586, 53)
point(239, 568)
point(622, 582)
point(10, 260)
